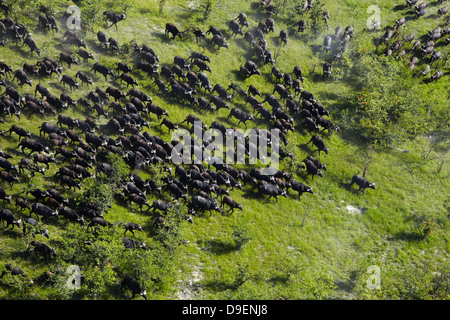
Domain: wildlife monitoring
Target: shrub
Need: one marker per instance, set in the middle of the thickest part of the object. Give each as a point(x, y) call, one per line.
point(208, 6)
point(93, 256)
point(243, 274)
point(240, 236)
point(314, 17)
point(385, 104)
point(102, 189)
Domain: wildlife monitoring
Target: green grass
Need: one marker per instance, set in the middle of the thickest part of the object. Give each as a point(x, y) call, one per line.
point(313, 248)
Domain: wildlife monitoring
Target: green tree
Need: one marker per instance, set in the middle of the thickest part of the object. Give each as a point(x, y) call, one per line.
point(93, 255)
point(102, 188)
point(207, 6)
point(161, 4)
point(385, 106)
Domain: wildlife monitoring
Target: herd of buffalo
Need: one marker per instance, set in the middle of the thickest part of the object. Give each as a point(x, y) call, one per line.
point(76, 149)
point(426, 51)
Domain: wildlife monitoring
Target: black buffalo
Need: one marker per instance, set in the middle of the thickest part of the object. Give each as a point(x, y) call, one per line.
point(271, 190)
point(7, 216)
point(171, 28)
point(227, 200)
point(113, 17)
point(204, 204)
point(131, 226)
point(42, 210)
point(319, 143)
point(42, 249)
point(31, 225)
point(241, 116)
point(135, 287)
point(300, 187)
point(105, 71)
point(9, 178)
point(362, 183)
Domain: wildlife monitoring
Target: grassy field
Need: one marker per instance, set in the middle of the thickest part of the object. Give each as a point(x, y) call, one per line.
point(319, 247)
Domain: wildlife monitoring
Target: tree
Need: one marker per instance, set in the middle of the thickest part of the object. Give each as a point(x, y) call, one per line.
point(385, 105)
point(102, 189)
point(208, 6)
point(161, 4)
point(316, 16)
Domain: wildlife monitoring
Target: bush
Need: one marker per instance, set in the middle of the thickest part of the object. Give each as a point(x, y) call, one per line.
point(95, 258)
point(102, 189)
point(314, 17)
point(243, 274)
point(386, 105)
point(240, 236)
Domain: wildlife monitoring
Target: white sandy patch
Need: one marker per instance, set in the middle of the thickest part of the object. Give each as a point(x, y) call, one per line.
point(189, 290)
point(353, 210)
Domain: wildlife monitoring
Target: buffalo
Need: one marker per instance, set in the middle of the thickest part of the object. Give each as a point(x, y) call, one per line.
point(319, 143)
point(9, 178)
point(362, 183)
point(105, 71)
point(128, 79)
point(22, 77)
point(312, 169)
point(40, 209)
point(131, 226)
point(227, 200)
point(171, 28)
point(65, 79)
point(41, 248)
point(271, 190)
point(7, 216)
point(67, 58)
point(135, 287)
point(219, 42)
point(4, 196)
point(29, 224)
point(113, 17)
point(300, 187)
point(99, 221)
point(241, 116)
point(204, 204)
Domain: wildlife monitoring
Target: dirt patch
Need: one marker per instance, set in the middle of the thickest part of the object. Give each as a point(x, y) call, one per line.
point(190, 290)
point(354, 210)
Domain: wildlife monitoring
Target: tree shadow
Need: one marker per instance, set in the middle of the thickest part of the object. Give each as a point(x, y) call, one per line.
point(349, 284)
point(218, 247)
point(399, 7)
point(240, 42)
point(440, 44)
point(316, 48)
point(218, 285)
point(305, 148)
point(280, 278)
point(408, 236)
point(10, 233)
point(252, 193)
point(410, 18)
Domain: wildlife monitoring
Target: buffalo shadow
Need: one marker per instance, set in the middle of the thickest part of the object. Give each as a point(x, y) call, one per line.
point(399, 7)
